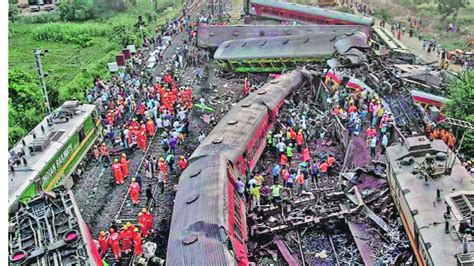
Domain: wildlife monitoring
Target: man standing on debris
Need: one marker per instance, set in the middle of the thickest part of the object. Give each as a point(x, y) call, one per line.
point(276, 193)
point(255, 191)
point(299, 183)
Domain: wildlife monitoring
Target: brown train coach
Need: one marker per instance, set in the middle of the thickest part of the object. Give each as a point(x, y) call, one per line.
point(208, 226)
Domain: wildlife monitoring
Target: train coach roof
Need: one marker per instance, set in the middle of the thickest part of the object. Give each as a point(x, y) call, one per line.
point(316, 11)
point(52, 139)
point(214, 35)
point(421, 198)
point(302, 46)
point(236, 129)
point(199, 229)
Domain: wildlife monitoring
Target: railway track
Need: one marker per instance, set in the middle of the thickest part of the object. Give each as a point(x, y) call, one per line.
point(128, 212)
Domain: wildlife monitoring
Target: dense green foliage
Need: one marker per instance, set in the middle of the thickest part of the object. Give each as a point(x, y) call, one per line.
point(78, 52)
point(451, 7)
point(24, 104)
point(461, 106)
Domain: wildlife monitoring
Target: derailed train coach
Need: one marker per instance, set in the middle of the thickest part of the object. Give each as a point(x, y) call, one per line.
point(209, 221)
point(277, 54)
point(211, 36)
point(303, 14)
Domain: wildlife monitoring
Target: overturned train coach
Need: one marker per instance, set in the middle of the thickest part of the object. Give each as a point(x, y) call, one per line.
point(209, 221)
point(211, 36)
point(276, 54)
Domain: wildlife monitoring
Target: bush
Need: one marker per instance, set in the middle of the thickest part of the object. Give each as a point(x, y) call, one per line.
point(39, 19)
point(80, 34)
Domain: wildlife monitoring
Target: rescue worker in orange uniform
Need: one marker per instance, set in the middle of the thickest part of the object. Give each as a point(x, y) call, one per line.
point(117, 168)
point(292, 136)
point(149, 218)
point(126, 238)
point(435, 134)
point(103, 244)
point(134, 191)
point(299, 140)
point(124, 165)
point(143, 223)
point(182, 163)
point(114, 242)
point(137, 243)
point(163, 168)
point(451, 141)
point(142, 141)
point(96, 152)
point(134, 123)
point(150, 127)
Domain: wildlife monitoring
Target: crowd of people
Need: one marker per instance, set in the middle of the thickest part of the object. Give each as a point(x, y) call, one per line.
point(136, 109)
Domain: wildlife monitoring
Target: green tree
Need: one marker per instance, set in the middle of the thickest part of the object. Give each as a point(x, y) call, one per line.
point(13, 10)
point(25, 107)
point(451, 7)
point(77, 10)
point(461, 106)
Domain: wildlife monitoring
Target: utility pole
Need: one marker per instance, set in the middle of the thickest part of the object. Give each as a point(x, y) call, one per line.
point(38, 53)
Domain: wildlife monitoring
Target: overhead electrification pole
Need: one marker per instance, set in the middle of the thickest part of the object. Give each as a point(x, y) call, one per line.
point(38, 54)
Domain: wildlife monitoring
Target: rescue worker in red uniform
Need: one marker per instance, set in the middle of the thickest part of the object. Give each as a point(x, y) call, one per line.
point(134, 190)
point(246, 87)
point(182, 163)
point(142, 141)
point(137, 243)
point(143, 223)
point(117, 168)
point(124, 165)
point(299, 140)
point(163, 169)
point(149, 218)
point(114, 241)
point(126, 238)
point(150, 127)
point(103, 244)
point(134, 123)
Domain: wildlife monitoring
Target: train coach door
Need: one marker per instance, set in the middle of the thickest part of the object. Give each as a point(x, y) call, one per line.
point(38, 186)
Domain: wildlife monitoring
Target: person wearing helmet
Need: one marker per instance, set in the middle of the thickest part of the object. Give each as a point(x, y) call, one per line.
point(134, 190)
point(150, 127)
point(137, 242)
point(103, 244)
point(117, 169)
point(124, 165)
point(182, 163)
point(163, 169)
point(143, 224)
point(114, 242)
point(126, 238)
point(149, 218)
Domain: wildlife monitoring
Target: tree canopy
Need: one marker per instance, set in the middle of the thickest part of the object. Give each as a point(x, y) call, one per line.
point(451, 7)
point(461, 106)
